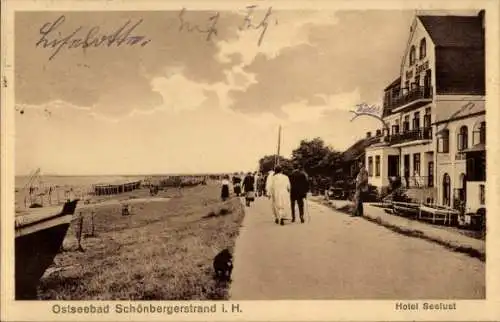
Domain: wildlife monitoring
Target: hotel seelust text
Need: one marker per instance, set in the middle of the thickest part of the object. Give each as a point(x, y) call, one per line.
point(426, 306)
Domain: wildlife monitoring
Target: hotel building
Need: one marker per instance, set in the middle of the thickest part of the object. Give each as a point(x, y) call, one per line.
point(434, 140)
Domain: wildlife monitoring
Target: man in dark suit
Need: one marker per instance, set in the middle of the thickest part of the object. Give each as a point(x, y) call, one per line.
point(299, 183)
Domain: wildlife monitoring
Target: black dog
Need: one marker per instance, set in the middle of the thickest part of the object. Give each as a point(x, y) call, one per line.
point(223, 265)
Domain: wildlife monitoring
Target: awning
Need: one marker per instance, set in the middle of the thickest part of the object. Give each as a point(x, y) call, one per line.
point(476, 148)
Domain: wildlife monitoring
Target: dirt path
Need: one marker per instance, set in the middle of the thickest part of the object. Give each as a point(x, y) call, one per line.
point(335, 256)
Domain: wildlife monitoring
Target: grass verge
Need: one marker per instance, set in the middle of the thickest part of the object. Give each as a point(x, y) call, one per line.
point(162, 251)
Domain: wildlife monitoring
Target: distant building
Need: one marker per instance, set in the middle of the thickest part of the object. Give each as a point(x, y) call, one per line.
point(436, 116)
point(355, 153)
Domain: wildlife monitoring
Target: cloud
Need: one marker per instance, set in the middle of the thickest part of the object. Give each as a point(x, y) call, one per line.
point(178, 92)
point(302, 112)
point(285, 29)
point(116, 80)
point(337, 56)
point(184, 104)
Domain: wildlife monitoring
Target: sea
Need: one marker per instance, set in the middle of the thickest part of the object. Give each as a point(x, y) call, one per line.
point(63, 188)
point(75, 181)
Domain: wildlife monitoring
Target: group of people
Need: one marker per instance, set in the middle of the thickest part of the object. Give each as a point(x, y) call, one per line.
point(284, 190)
point(250, 186)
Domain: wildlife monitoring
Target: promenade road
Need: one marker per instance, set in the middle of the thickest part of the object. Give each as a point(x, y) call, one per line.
point(335, 256)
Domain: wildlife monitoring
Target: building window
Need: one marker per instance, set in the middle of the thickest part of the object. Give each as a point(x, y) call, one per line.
point(476, 167)
point(416, 164)
point(377, 166)
point(482, 133)
point(370, 166)
point(427, 118)
point(482, 194)
point(406, 124)
point(416, 121)
point(395, 129)
point(412, 55)
point(423, 49)
point(462, 139)
point(479, 134)
point(444, 142)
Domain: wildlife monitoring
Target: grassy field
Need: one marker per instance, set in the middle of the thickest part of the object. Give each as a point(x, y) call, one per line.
point(162, 251)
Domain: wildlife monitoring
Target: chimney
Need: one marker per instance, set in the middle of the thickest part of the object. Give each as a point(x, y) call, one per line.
point(368, 135)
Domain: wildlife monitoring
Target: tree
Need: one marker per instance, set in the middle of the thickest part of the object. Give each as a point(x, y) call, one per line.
point(330, 163)
point(268, 163)
point(311, 155)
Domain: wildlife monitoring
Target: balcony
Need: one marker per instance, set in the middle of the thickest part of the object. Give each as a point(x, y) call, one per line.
point(412, 135)
point(415, 97)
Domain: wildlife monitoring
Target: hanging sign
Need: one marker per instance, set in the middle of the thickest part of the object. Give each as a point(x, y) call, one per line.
point(374, 111)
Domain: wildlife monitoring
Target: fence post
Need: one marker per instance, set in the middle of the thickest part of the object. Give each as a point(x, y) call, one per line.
point(92, 223)
point(79, 232)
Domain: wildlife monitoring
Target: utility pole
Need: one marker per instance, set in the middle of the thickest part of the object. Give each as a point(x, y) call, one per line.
point(277, 161)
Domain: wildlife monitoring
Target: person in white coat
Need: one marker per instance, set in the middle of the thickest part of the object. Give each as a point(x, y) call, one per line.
point(280, 191)
point(269, 184)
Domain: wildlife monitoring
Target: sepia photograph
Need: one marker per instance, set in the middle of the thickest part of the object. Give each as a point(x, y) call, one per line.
point(245, 154)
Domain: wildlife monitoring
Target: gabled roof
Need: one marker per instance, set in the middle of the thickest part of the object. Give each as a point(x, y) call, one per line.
point(358, 148)
point(453, 110)
point(460, 57)
point(454, 31)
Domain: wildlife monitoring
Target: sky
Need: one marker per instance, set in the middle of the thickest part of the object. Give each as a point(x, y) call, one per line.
point(179, 102)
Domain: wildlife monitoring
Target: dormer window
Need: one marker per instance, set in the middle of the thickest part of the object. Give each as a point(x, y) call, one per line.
point(423, 49)
point(412, 55)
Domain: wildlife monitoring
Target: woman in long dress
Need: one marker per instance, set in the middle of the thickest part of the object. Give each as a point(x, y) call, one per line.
point(280, 195)
point(225, 188)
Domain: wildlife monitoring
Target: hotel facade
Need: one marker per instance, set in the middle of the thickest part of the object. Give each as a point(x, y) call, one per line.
point(433, 141)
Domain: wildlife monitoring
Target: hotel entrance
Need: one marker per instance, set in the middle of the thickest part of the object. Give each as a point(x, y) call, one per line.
point(406, 170)
point(393, 165)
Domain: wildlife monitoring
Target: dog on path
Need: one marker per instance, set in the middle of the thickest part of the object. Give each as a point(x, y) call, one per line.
point(223, 265)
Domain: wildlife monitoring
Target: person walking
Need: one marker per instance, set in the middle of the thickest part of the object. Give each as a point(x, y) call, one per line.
point(268, 192)
point(264, 184)
point(237, 185)
point(249, 188)
point(299, 183)
point(361, 189)
point(280, 191)
point(225, 188)
point(256, 177)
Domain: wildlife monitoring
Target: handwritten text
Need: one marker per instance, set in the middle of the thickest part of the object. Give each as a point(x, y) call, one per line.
point(53, 38)
point(211, 26)
point(210, 30)
point(263, 24)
